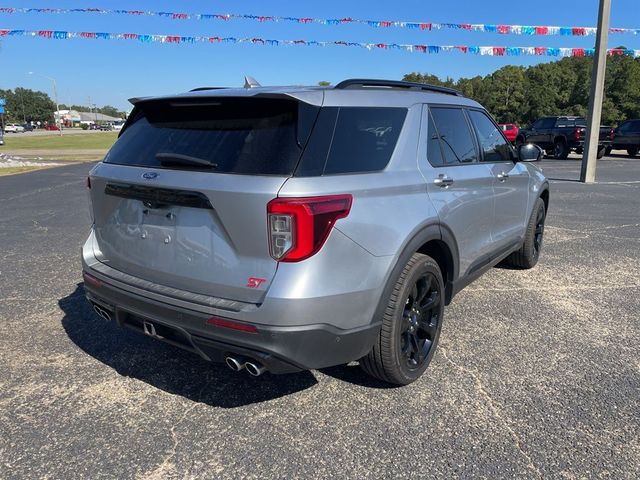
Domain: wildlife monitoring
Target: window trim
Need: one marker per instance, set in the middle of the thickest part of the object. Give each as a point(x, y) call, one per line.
point(471, 128)
point(475, 130)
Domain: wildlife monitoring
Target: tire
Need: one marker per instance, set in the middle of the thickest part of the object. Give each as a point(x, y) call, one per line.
point(411, 324)
point(560, 150)
point(601, 152)
point(607, 151)
point(633, 151)
point(529, 253)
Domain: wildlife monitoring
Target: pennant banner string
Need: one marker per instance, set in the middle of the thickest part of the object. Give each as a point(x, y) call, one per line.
point(478, 27)
point(465, 49)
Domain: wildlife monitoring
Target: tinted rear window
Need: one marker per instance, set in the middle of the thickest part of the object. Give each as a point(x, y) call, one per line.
point(239, 135)
point(352, 140)
point(455, 135)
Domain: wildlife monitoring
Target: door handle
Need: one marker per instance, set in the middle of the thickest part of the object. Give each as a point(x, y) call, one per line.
point(502, 176)
point(443, 181)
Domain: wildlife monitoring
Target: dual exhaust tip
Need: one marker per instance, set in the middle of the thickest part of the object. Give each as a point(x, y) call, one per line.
point(237, 364)
point(102, 312)
point(234, 363)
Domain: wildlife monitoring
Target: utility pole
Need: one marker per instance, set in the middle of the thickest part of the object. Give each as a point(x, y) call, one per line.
point(55, 95)
point(589, 158)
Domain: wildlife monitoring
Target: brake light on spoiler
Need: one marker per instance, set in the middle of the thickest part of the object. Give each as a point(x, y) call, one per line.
point(298, 227)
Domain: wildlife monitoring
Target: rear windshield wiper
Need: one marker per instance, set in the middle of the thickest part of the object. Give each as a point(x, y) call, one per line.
point(179, 159)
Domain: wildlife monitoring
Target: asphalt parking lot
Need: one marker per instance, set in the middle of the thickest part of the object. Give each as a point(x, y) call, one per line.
point(537, 374)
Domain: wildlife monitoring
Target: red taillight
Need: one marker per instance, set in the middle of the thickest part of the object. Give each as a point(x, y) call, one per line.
point(225, 323)
point(298, 227)
point(578, 133)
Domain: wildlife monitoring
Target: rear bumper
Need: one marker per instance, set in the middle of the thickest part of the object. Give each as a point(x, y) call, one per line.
point(279, 349)
point(601, 143)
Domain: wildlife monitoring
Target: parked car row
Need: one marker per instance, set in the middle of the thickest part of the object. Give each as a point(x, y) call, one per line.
point(559, 136)
point(107, 127)
point(25, 127)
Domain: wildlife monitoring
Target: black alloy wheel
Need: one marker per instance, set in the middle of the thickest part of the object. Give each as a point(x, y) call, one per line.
point(538, 235)
point(420, 321)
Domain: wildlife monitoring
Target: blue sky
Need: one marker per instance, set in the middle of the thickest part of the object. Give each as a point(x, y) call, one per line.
point(111, 71)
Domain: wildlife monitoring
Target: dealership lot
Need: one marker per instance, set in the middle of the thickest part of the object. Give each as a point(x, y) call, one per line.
point(537, 374)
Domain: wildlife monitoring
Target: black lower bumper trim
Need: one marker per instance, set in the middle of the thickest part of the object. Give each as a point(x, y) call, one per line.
point(279, 349)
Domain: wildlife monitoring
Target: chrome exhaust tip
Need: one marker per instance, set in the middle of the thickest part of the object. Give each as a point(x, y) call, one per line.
point(255, 369)
point(234, 364)
point(102, 313)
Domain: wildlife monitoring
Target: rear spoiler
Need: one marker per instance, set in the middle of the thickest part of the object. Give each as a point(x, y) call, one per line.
point(312, 97)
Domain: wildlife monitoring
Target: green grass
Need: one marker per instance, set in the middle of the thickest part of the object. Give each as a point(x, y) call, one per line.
point(97, 140)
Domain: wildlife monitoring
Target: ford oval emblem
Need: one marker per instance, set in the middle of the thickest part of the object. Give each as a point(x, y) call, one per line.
point(150, 175)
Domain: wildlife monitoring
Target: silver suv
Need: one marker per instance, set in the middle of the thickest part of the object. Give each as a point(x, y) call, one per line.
point(289, 228)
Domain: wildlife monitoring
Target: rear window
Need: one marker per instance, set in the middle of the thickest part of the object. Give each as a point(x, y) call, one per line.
point(238, 135)
point(352, 140)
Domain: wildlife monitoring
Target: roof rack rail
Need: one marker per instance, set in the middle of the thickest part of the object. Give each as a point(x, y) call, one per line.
point(363, 82)
point(199, 89)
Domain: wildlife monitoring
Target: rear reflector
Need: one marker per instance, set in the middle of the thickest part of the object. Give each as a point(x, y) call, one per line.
point(91, 280)
point(226, 323)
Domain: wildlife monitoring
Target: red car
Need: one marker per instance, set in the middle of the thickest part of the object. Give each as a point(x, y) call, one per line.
point(51, 127)
point(510, 131)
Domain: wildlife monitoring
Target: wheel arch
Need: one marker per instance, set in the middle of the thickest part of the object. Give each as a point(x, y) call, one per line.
point(544, 195)
point(438, 242)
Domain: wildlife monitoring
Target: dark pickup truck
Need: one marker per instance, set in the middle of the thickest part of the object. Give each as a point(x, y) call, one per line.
point(558, 136)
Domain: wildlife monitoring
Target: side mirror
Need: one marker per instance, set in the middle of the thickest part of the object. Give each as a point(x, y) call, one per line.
point(530, 153)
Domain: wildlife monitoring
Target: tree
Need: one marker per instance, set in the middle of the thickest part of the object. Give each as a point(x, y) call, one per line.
point(324, 83)
point(522, 95)
point(24, 105)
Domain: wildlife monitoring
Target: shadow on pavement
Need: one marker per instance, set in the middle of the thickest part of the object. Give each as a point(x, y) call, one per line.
point(170, 368)
point(355, 375)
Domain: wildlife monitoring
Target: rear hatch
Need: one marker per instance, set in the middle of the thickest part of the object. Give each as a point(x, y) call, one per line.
point(180, 199)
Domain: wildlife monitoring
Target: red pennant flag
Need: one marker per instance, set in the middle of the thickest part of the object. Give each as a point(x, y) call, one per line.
point(503, 28)
point(579, 31)
point(499, 51)
point(578, 52)
point(542, 30)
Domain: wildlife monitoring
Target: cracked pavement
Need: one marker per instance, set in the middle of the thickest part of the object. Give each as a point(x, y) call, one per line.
point(537, 375)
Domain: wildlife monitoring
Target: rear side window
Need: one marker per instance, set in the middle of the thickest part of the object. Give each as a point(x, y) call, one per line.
point(352, 140)
point(492, 143)
point(434, 149)
point(544, 123)
point(225, 135)
point(455, 135)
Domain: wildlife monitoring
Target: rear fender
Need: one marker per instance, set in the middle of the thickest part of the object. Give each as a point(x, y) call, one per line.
point(426, 234)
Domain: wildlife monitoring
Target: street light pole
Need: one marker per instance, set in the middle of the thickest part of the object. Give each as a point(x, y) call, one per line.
point(55, 95)
point(589, 159)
